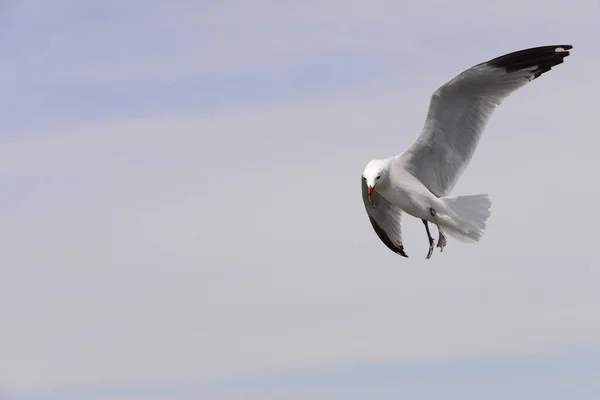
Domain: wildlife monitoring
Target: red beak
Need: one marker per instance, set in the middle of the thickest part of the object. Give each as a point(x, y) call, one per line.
point(370, 189)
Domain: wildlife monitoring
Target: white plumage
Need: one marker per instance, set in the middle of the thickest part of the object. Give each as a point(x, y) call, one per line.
point(418, 180)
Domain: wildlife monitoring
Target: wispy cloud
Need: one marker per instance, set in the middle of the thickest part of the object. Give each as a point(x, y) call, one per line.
point(555, 376)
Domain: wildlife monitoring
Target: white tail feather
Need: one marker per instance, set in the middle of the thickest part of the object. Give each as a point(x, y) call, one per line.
point(470, 216)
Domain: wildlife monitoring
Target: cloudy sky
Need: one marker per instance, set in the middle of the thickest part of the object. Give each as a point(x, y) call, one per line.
point(180, 212)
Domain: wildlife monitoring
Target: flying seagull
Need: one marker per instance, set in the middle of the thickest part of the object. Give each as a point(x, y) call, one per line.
point(418, 180)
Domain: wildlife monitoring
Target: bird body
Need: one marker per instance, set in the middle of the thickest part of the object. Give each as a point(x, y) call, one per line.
point(406, 191)
point(419, 180)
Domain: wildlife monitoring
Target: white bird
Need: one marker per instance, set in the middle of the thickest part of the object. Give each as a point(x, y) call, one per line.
point(418, 180)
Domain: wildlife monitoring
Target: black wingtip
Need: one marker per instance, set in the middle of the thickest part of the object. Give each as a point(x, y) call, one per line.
point(401, 251)
point(544, 58)
point(398, 249)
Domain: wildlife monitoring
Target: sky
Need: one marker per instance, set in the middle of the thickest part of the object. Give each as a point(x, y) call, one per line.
point(181, 218)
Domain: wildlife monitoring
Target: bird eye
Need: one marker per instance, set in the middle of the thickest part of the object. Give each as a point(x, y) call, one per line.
point(378, 176)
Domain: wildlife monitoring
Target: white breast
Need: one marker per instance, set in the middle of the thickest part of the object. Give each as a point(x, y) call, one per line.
point(408, 193)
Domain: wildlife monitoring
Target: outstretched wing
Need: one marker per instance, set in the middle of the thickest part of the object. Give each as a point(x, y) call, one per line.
point(385, 219)
point(460, 109)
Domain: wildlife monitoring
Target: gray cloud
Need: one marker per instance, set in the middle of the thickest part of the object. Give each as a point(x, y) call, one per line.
point(199, 246)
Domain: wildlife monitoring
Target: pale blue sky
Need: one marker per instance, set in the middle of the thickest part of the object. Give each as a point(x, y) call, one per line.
point(573, 375)
point(180, 216)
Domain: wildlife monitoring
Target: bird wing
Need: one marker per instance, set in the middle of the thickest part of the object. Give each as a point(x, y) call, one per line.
point(385, 219)
point(460, 109)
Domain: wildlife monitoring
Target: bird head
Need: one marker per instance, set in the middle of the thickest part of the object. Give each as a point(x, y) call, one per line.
point(374, 174)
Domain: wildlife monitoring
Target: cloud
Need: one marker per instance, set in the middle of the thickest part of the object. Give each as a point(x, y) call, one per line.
point(154, 42)
point(549, 376)
point(259, 259)
point(230, 241)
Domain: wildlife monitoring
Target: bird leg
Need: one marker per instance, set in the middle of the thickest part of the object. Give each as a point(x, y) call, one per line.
point(442, 237)
point(430, 238)
point(441, 240)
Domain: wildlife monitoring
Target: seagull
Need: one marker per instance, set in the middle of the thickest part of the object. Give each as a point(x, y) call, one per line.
point(419, 180)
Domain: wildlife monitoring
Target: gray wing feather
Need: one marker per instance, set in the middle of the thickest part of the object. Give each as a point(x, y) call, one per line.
point(460, 109)
point(385, 219)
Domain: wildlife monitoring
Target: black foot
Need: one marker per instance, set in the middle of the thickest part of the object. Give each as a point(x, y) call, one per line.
point(431, 241)
point(441, 240)
point(430, 252)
